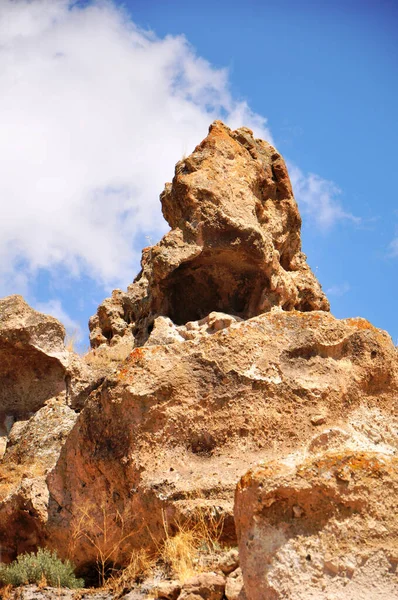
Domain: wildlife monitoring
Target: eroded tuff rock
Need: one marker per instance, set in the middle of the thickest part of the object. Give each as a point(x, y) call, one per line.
point(233, 364)
point(32, 358)
point(35, 365)
point(32, 450)
point(234, 246)
point(179, 424)
point(41, 385)
point(324, 527)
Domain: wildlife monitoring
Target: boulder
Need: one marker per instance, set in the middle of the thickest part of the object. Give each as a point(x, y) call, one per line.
point(41, 386)
point(205, 586)
point(32, 359)
point(229, 561)
point(35, 365)
point(234, 587)
point(321, 527)
point(168, 590)
point(234, 245)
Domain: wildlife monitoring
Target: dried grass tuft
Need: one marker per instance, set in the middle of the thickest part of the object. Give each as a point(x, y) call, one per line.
point(196, 537)
point(106, 357)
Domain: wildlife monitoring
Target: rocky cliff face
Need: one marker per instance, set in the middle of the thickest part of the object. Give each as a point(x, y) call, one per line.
point(233, 362)
point(234, 244)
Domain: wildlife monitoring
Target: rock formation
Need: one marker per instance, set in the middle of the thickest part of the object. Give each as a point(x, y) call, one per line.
point(233, 360)
point(179, 424)
point(234, 246)
point(41, 385)
point(322, 527)
point(34, 363)
point(32, 359)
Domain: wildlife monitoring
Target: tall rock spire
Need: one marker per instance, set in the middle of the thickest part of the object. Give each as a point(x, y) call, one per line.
point(234, 244)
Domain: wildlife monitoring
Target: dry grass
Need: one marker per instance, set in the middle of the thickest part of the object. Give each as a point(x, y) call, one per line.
point(71, 339)
point(6, 592)
point(180, 553)
point(189, 550)
point(106, 529)
point(141, 565)
point(106, 357)
point(195, 538)
point(189, 546)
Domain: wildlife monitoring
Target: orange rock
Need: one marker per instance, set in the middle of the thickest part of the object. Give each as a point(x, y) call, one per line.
point(322, 528)
point(234, 246)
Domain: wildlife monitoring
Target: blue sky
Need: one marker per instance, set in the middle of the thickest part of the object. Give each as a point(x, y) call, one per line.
point(97, 110)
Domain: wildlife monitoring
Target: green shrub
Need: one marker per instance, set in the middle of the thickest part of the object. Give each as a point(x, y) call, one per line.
point(34, 568)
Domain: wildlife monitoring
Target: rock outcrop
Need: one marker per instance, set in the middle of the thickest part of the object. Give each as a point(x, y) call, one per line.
point(41, 386)
point(234, 246)
point(178, 424)
point(322, 527)
point(32, 450)
point(32, 359)
point(222, 355)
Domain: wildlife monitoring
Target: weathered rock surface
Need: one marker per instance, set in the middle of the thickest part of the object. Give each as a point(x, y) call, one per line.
point(234, 246)
point(35, 365)
point(41, 382)
point(205, 586)
point(179, 424)
point(168, 590)
point(32, 450)
point(320, 528)
point(234, 587)
point(32, 359)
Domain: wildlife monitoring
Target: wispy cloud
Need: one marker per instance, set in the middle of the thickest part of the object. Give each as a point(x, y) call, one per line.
point(338, 290)
point(393, 248)
point(318, 198)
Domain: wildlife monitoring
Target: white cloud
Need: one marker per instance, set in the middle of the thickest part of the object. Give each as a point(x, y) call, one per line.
point(318, 199)
point(94, 113)
point(54, 308)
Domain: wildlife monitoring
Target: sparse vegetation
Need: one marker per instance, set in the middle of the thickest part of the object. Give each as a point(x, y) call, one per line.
point(195, 543)
point(141, 565)
point(106, 529)
point(71, 340)
point(42, 568)
point(106, 357)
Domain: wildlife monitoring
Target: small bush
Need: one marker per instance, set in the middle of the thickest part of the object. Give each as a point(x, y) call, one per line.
point(35, 568)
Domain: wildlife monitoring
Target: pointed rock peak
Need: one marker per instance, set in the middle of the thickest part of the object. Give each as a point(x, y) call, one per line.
point(234, 245)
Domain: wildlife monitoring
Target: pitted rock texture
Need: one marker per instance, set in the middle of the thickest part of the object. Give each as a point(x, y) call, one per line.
point(35, 365)
point(32, 358)
point(32, 451)
point(178, 424)
point(234, 246)
point(222, 354)
point(41, 386)
point(323, 528)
